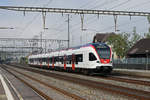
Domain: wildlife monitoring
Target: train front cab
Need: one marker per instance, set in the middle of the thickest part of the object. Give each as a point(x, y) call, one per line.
point(100, 58)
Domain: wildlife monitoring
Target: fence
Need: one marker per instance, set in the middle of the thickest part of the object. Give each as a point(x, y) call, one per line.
point(132, 63)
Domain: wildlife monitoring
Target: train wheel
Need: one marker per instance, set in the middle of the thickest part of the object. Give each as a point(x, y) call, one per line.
point(86, 72)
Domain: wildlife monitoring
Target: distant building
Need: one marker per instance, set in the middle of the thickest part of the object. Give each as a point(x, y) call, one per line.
point(140, 49)
point(102, 37)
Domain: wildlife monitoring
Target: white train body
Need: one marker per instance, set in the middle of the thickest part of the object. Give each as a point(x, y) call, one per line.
point(95, 57)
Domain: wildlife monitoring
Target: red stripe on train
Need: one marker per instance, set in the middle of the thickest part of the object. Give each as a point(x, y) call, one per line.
point(73, 60)
point(48, 63)
point(53, 62)
point(41, 63)
point(65, 62)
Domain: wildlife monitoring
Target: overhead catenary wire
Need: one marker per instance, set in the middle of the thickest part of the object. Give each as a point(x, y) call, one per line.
point(101, 5)
point(109, 9)
point(87, 5)
point(106, 2)
point(123, 23)
point(135, 6)
point(91, 17)
point(141, 4)
point(120, 4)
point(35, 17)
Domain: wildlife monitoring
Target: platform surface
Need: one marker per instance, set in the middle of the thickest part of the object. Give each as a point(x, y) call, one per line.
point(19, 91)
point(2, 92)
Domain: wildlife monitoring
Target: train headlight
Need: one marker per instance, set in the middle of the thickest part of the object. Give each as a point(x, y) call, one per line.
point(98, 62)
point(111, 61)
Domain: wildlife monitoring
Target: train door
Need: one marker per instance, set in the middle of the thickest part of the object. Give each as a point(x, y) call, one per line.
point(73, 62)
point(92, 59)
point(48, 60)
point(64, 62)
point(53, 61)
point(41, 62)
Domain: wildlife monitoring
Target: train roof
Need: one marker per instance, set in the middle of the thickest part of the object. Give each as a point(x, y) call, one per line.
point(89, 44)
point(72, 48)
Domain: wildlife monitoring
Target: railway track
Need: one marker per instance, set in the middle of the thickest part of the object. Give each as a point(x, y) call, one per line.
point(132, 76)
point(46, 97)
point(133, 81)
point(133, 93)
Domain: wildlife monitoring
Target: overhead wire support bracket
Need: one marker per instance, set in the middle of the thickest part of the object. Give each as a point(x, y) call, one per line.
point(24, 13)
point(44, 19)
point(130, 17)
point(75, 11)
point(115, 20)
point(82, 21)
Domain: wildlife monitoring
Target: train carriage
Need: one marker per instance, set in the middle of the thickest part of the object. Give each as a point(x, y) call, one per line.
point(90, 58)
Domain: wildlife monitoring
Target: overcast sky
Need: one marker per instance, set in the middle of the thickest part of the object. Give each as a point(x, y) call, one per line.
point(31, 24)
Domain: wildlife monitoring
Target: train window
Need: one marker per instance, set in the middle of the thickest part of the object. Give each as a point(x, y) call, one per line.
point(43, 59)
point(39, 59)
point(55, 60)
point(92, 57)
point(62, 60)
point(50, 60)
point(79, 58)
point(36, 60)
point(69, 59)
point(31, 60)
point(47, 60)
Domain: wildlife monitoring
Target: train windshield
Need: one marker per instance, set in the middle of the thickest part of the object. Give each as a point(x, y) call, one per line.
point(103, 51)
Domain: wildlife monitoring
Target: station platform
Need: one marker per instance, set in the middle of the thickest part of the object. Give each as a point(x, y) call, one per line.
point(144, 73)
point(2, 92)
point(13, 89)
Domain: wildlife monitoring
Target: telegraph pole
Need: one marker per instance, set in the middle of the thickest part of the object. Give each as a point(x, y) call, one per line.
point(41, 40)
point(68, 30)
point(45, 45)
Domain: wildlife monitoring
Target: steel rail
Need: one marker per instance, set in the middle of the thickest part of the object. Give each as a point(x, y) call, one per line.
point(29, 85)
point(50, 86)
point(131, 93)
point(133, 81)
point(133, 76)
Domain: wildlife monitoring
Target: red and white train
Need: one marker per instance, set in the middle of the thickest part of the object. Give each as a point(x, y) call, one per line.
point(90, 58)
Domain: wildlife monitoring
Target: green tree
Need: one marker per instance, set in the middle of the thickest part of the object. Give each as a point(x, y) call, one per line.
point(119, 44)
point(134, 37)
point(147, 35)
point(23, 60)
point(122, 42)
